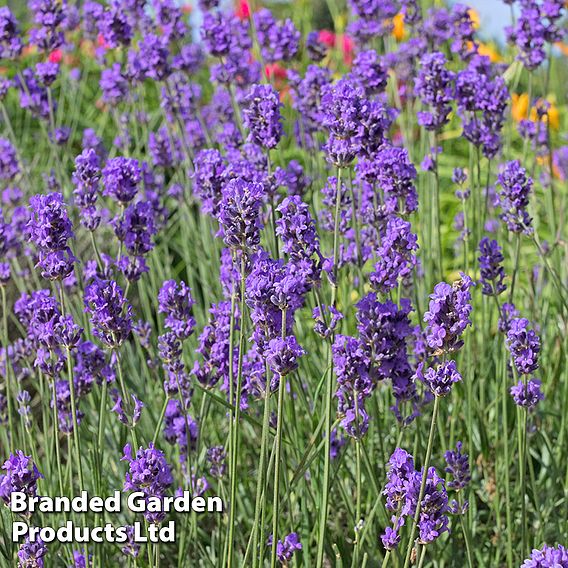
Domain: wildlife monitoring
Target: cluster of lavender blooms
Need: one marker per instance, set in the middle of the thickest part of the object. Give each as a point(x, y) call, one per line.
point(148, 472)
point(100, 242)
point(547, 557)
point(402, 492)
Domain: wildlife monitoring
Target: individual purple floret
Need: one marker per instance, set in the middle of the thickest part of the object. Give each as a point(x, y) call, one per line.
point(448, 314)
point(434, 87)
point(239, 215)
point(457, 465)
point(524, 345)
point(21, 475)
point(441, 379)
point(31, 554)
point(111, 315)
point(514, 197)
point(547, 557)
point(285, 550)
point(262, 116)
point(527, 394)
point(121, 177)
point(175, 301)
point(492, 272)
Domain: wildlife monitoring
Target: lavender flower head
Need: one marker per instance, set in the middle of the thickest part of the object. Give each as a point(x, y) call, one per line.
point(528, 394)
point(433, 85)
point(282, 355)
point(49, 228)
point(148, 472)
point(10, 41)
point(175, 301)
point(262, 116)
point(524, 345)
point(547, 557)
point(30, 554)
point(9, 167)
point(457, 465)
point(448, 314)
point(285, 550)
point(110, 312)
point(121, 177)
point(514, 197)
point(239, 215)
point(441, 379)
point(492, 272)
point(21, 475)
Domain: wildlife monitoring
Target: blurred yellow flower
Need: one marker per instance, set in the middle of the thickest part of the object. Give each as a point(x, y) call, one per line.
point(489, 51)
point(475, 19)
point(398, 26)
point(520, 110)
point(520, 106)
point(552, 115)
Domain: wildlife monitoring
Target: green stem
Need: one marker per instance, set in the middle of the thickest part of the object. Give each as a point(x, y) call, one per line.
point(423, 483)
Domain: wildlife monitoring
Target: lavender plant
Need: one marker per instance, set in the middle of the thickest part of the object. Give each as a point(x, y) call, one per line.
point(317, 273)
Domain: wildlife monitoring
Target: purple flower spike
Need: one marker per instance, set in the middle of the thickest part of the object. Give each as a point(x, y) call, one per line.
point(435, 89)
point(492, 273)
point(239, 216)
point(285, 550)
point(547, 557)
point(458, 468)
point(514, 197)
point(524, 346)
point(30, 554)
point(441, 379)
point(121, 177)
point(448, 314)
point(527, 395)
point(282, 355)
point(262, 116)
point(175, 301)
point(110, 312)
point(21, 475)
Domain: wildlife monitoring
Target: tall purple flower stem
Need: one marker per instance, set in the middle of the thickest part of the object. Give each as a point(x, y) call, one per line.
point(329, 385)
